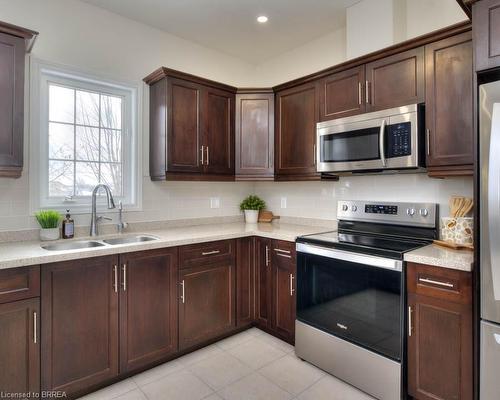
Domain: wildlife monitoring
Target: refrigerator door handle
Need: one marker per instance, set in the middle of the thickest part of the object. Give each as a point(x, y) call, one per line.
point(494, 200)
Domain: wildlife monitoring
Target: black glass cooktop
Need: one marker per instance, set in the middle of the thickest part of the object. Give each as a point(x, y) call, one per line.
point(366, 243)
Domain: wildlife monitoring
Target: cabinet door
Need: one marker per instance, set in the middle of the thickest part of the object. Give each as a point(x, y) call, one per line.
point(219, 132)
point(263, 283)
point(207, 302)
point(284, 284)
point(184, 129)
point(396, 80)
point(148, 307)
point(342, 94)
point(439, 349)
point(255, 135)
point(486, 29)
point(19, 347)
point(448, 102)
point(245, 281)
point(297, 114)
point(79, 323)
point(11, 105)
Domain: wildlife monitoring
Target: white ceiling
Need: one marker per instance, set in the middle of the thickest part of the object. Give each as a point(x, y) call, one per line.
point(230, 26)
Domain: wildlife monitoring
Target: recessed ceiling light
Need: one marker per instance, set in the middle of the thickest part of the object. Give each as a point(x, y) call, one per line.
point(262, 19)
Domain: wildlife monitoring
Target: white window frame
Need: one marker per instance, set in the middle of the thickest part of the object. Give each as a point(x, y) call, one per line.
point(43, 73)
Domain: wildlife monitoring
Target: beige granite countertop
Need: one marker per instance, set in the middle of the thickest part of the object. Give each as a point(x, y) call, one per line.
point(439, 256)
point(20, 254)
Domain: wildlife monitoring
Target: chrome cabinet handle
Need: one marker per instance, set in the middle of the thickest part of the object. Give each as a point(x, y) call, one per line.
point(183, 294)
point(314, 154)
point(208, 159)
point(382, 143)
point(360, 93)
point(124, 283)
point(439, 283)
point(428, 144)
point(409, 321)
point(115, 283)
point(284, 255)
point(35, 334)
point(202, 155)
point(282, 251)
point(291, 285)
point(367, 92)
point(208, 253)
point(267, 256)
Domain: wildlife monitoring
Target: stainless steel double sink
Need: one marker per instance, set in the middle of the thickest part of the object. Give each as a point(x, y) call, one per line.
point(87, 244)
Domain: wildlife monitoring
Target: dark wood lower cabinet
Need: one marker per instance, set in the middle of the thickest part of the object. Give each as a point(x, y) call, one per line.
point(245, 281)
point(148, 307)
point(79, 324)
point(206, 302)
point(440, 362)
point(20, 347)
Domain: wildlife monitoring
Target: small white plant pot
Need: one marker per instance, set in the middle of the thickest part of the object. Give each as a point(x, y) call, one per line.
point(49, 234)
point(251, 216)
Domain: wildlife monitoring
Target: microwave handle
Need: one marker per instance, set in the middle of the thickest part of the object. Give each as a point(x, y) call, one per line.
point(382, 143)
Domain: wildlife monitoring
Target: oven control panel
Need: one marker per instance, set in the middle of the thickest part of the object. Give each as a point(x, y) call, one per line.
point(410, 214)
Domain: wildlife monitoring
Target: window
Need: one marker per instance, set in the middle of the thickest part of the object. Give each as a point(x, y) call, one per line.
point(87, 136)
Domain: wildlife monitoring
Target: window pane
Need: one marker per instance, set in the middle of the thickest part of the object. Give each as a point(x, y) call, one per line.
point(87, 108)
point(111, 145)
point(61, 141)
point(87, 143)
point(60, 178)
point(87, 177)
point(111, 175)
point(61, 104)
point(111, 112)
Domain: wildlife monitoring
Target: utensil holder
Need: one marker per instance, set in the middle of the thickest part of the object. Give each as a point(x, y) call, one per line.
point(457, 230)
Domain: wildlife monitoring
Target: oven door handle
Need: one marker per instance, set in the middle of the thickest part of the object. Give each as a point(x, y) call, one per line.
point(381, 143)
point(373, 261)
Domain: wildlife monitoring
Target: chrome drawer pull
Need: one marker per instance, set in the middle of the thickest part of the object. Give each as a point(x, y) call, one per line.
point(35, 339)
point(409, 321)
point(291, 285)
point(431, 281)
point(183, 295)
point(284, 255)
point(209, 253)
point(283, 251)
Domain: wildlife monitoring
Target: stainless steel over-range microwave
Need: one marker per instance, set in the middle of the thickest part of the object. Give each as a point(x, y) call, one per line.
point(374, 142)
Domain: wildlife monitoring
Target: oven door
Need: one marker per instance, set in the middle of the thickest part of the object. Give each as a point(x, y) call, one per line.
point(351, 296)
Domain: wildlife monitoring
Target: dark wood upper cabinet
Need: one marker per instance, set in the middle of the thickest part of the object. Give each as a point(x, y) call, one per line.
point(148, 307)
point(206, 299)
point(342, 94)
point(191, 127)
point(79, 323)
point(296, 117)
point(395, 81)
point(219, 132)
point(245, 281)
point(440, 361)
point(486, 29)
point(20, 347)
point(254, 135)
point(284, 289)
point(263, 282)
point(12, 56)
point(449, 104)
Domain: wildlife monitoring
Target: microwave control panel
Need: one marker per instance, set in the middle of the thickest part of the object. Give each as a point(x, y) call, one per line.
point(398, 140)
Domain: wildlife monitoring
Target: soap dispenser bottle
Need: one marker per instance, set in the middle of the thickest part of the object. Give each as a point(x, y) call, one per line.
point(68, 227)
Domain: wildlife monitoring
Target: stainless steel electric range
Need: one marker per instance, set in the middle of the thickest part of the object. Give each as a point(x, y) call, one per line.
point(351, 292)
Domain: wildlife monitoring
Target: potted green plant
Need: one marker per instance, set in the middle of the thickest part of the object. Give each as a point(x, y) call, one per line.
point(251, 207)
point(49, 224)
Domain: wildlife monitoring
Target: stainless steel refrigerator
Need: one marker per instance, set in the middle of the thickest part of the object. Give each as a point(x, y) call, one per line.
point(489, 138)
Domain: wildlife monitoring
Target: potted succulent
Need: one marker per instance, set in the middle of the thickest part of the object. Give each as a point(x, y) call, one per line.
point(251, 207)
point(49, 224)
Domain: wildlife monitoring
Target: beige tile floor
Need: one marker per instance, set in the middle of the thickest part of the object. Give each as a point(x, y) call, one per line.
point(251, 365)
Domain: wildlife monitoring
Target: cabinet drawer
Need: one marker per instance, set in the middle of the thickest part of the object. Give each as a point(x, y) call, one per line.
point(282, 248)
point(203, 253)
point(441, 283)
point(19, 283)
